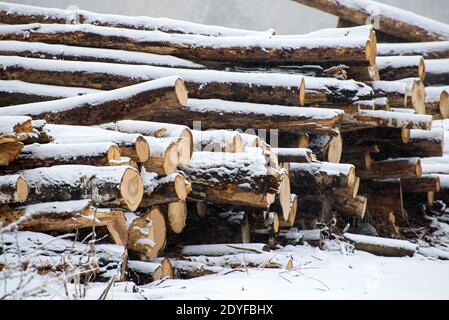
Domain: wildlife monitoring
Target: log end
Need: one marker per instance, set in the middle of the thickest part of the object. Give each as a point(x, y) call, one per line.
point(22, 189)
point(142, 149)
point(418, 168)
point(113, 153)
point(302, 92)
point(160, 231)
point(238, 144)
point(182, 187)
point(335, 149)
point(444, 104)
point(371, 51)
point(131, 189)
point(419, 97)
point(181, 92)
point(171, 158)
point(177, 215)
point(405, 135)
point(185, 149)
point(167, 268)
point(422, 69)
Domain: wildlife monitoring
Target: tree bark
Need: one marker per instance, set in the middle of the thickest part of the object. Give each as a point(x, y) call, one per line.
point(13, 189)
point(400, 67)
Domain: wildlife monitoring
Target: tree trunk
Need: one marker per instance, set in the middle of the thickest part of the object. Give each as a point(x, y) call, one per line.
point(164, 154)
point(429, 50)
point(326, 148)
point(398, 67)
point(13, 189)
point(437, 102)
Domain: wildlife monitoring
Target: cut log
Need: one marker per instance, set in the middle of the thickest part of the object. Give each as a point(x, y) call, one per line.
point(233, 178)
point(164, 156)
point(390, 20)
point(293, 236)
point(12, 13)
point(280, 89)
point(159, 130)
point(335, 93)
point(416, 97)
point(48, 155)
point(382, 246)
point(395, 119)
point(424, 184)
point(66, 216)
point(263, 228)
point(355, 207)
point(348, 192)
point(384, 198)
point(283, 198)
point(396, 92)
point(422, 143)
point(183, 269)
point(400, 67)
point(429, 50)
point(220, 227)
point(326, 148)
point(147, 235)
point(116, 186)
point(13, 189)
point(71, 53)
point(392, 168)
point(143, 99)
point(172, 188)
point(250, 50)
point(310, 177)
point(231, 115)
point(437, 102)
point(437, 72)
point(374, 136)
point(218, 141)
point(10, 148)
point(133, 146)
point(364, 74)
point(13, 92)
point(299, 155)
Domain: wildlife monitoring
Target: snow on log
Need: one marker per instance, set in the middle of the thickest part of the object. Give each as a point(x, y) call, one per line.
point(396, 92)
point(15, 124)
point(14, 92)
point(48, 155)
point(66, 216)
point(437, 72)
point(392, 21)
point(218, 141)
point(63, 52)
point(382, 246)
point(429, 50)
point(144, 272)
point(13, 189)
point(276, 88)
point(382, 104)
point(133, 146)
point(172, 188)
point(233, 178)
point(43, 252)
point(334, 93)
point(416, 97)
point(140, 100)
point(115, 186)
point(12, 13)
point(183, 269)
point(437, 101)
point(299, 155)
point(224, 249)
point(400, 67)
point(392, 168)
point(147, 234)
point(394, 119)
point(164, 155)
point(326, 148)
point(244, 50)
point(241, 115)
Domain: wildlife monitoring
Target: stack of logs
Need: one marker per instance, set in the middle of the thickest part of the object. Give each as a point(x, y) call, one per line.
point(102, 119)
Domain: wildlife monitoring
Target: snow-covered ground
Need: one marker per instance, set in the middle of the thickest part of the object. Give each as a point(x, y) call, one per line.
point(317, 274)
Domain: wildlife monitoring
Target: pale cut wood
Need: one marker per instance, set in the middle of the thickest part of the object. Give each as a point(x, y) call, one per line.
point(326, 147)
point(218, 141)
point(13, 189)
point(164, 155)
point(10, 148)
